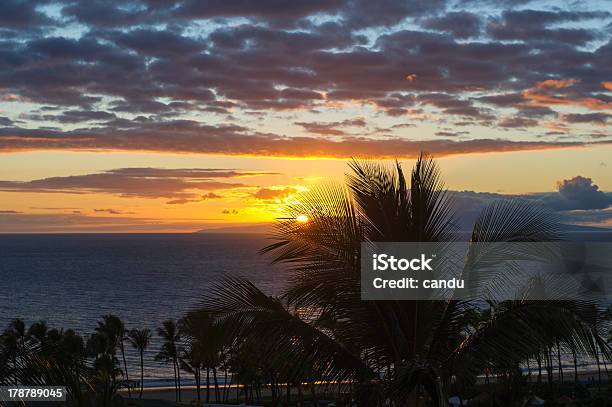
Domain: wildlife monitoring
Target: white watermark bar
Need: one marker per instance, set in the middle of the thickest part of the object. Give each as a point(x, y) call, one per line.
point(486, 271)
point(32, 393)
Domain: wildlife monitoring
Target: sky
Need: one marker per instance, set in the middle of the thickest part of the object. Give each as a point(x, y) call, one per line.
point(155, 116)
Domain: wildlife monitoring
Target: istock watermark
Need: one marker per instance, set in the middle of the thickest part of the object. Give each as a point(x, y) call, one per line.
point(486, 271)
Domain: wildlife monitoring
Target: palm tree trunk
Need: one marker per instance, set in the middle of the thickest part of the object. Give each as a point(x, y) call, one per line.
point(559, 362)
point(178, 378)
point(314, 394)
point(228, 386)
point(127, 377)
point(539, 360)
point(575, 364)
point(197, 380)
point(141, 372)
point(217, 393)
point(549, 365)
point(528, 371)
point(288, 392)
point(598, 369)
point(300, 395)
point(237, 390)
point(207, 385)
point(175, 382)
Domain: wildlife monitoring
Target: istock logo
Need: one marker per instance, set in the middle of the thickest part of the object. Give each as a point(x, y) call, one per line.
point(384, 262)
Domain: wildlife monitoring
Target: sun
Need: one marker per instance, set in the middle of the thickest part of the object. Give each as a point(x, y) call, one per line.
point(302, 218)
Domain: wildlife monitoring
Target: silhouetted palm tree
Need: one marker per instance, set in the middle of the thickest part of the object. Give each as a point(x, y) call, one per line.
point(205, 341)
point(169, 352)
point(113, 327)
point(321, 326)
point(139, 338)
point(14, 345)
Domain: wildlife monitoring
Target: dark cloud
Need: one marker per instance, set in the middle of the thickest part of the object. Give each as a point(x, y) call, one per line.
point(365, 13)
point(81, 223)
point(596, 118)
point(181, 201)
point(211, 195)
point(446, 133)
point(77, 116)
point(578, 193)
point(18, 14)
point(111, 211)
point(134, 182)
point(5, 121)
point(532, 26)
point(138, 68)
point(517, 122)
point(267, 9)
point(459, 24)
point(578, 200)
point(159, 43)
point(332, 128)
point(189, 137)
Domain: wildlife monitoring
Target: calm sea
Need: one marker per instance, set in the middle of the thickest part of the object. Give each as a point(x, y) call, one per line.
point(71, 280)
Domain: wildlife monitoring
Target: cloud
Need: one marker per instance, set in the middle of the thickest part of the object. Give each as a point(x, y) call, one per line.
point(332, 128)
point(136, 72)
point(577, 200)
point(461, 24)
point(181, 201)
point(533, 26)
point(112, 211)
point(517, 122)
point(15, 14)
point(211, 195)
point(135, 182)
point(270, 193)
point(578, 193)
point(5, 121)
point(233, 140)
point(560, 92)
point(596, 118)
point(446, 133)
point(80, 223)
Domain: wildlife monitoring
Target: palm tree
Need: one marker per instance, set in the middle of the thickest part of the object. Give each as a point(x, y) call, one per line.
point(170, 333)
point(191, 361)
point(139, 338)
point(113, 327)
point(205, 343)
point(390, 349)
point(14, 344)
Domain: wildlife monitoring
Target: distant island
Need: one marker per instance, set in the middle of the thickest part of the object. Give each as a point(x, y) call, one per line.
point(256, 228)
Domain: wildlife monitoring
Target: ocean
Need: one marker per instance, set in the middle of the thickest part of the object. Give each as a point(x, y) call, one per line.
point(71, 280)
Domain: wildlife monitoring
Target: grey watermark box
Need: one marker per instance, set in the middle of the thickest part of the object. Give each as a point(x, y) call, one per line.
point(486, 271)
point(32, 393)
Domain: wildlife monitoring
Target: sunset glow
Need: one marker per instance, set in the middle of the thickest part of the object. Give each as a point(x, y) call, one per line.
point(215, 120)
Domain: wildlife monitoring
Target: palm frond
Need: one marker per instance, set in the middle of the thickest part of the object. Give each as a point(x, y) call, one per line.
point(291, 341)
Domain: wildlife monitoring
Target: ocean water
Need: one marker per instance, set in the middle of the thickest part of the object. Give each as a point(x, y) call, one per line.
point(69, 281)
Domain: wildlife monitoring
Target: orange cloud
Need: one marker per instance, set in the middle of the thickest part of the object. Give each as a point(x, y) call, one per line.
point(547, 93)
point(555, 83)
point(607, 85)
point(269, 193)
